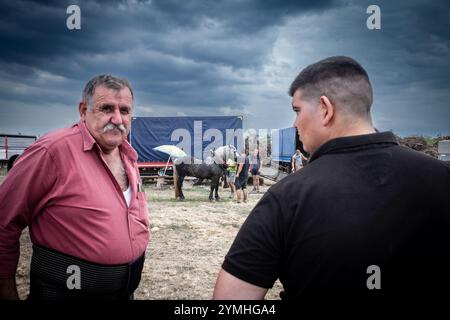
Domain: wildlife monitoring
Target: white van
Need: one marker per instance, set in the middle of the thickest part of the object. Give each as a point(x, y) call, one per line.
point(444, 150)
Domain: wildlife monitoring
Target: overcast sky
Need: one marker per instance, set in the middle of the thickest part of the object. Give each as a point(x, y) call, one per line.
point(232, 57)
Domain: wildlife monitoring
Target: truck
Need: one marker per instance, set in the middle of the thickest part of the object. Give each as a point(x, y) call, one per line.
point(194, 135)
point(12, 146)
point(284, 142)
point(444, 151)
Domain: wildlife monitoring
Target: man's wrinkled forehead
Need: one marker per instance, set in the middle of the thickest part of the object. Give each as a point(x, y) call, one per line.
point(104, 94)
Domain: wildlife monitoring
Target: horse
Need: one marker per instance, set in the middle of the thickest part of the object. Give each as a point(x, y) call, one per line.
point(214, 167)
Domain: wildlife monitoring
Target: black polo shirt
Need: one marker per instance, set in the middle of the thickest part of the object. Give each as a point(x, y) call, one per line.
point(246, 165)
point(361, 201)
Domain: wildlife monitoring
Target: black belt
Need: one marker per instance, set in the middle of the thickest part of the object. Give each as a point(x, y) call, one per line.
point(51, 270)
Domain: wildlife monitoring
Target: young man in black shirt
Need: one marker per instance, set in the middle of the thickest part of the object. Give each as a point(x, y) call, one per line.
point(365, 215)
point(242, 176)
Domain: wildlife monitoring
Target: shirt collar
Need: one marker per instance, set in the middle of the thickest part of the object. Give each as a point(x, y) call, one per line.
point(88, 139)
point(128, 151)
point(89, 142)
point(352, 143)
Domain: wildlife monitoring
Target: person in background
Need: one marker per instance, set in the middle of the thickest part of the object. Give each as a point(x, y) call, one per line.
point(297, 160)
point(255, 170)
point(232, 169)
point(242, 176)
point(79, 191)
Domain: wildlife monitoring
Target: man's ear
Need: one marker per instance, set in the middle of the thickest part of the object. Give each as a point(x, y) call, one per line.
point(327, 110)
point(82, 109)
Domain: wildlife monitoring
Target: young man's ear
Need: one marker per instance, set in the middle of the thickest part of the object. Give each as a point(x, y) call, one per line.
point(82, 109)
point(327, 109)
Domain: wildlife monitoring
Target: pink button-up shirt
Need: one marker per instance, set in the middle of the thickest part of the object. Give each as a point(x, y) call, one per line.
point(63, 190)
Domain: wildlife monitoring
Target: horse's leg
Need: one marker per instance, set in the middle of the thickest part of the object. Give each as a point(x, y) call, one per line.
point(180, 185)
point(216, 188)
point(217, 191)
point(211, 190)
point(214, 182)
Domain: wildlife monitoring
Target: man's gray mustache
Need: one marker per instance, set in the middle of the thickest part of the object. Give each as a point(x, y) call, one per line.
point(111, 126)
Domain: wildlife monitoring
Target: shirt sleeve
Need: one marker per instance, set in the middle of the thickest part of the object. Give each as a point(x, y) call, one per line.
point(255, 255)
point(22, 196)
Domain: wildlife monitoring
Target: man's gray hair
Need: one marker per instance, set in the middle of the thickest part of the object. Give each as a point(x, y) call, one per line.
point(107, 81)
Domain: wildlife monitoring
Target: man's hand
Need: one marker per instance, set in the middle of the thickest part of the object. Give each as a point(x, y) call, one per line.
point(8, 289)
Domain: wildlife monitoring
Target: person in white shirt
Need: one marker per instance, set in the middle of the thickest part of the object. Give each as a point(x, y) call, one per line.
point(297, 160)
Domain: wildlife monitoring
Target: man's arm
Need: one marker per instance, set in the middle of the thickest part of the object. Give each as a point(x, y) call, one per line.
point(228, 287)
point(240, 166)
point(253, 262)
point(21, 195)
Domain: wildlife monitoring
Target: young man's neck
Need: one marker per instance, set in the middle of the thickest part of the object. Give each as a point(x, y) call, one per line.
point(353, 127)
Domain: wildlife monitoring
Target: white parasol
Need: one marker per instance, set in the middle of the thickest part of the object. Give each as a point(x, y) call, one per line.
point(172, 151)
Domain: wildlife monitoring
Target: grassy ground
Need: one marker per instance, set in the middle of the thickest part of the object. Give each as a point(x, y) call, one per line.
point(189, 241)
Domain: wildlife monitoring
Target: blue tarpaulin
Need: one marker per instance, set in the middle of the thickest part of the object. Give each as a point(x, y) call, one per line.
point(195, 135)
point(283, 144)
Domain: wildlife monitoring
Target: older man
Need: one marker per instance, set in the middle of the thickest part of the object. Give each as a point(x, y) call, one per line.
point(365, 215)
point(79, 191)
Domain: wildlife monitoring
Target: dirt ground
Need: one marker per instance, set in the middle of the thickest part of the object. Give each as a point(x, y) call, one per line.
point(188, 243)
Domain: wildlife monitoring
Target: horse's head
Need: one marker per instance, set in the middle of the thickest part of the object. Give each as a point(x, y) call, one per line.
point(222, 154)
point(232, 152)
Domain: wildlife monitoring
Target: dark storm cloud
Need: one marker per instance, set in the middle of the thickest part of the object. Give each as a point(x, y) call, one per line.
point(174, 53)
point(412, 74)
point(407, 60)
point(33, 33)
point(220, 57)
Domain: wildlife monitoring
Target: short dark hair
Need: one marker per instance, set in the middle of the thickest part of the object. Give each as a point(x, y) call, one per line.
point(341, 79)
point(106, 80)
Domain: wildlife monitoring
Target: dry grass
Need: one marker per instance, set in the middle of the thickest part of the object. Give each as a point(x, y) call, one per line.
point(188, 243)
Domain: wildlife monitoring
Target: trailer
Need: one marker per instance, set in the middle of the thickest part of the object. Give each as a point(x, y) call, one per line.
point(12, 146)
point(444, 150)
point(194, 135)
point(283, 145)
